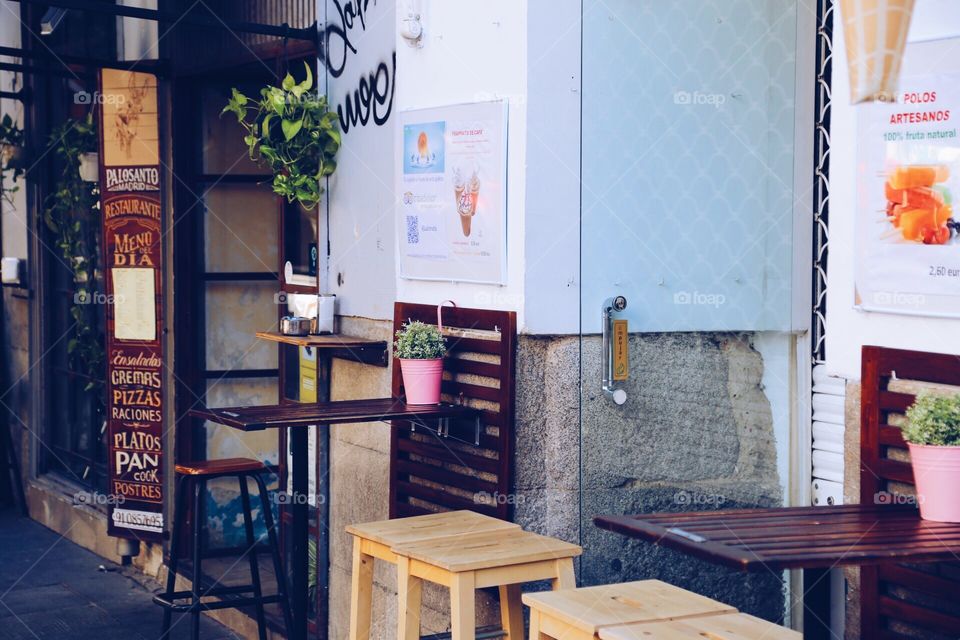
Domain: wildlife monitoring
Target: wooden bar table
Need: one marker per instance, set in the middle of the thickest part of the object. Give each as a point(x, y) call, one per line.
point(296, 418)
point(814, 539)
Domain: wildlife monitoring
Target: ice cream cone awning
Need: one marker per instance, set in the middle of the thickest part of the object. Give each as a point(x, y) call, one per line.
point(875, 32)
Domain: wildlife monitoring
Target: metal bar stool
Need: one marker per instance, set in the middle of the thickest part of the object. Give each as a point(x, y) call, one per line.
point(195, 475)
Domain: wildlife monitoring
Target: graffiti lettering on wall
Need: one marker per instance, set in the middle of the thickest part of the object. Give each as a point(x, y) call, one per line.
point(372, 98)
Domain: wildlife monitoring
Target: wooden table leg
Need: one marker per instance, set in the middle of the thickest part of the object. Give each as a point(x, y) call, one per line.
point(299, 554)
point(463, 605)
point(511, 611)
point(361, 593)
point(535, 626)
point(566, 578)
point(816, 604)
point(409, 593)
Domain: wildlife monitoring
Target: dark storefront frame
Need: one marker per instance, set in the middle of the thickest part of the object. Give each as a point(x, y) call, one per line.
point(237, 38)
point(69, 439)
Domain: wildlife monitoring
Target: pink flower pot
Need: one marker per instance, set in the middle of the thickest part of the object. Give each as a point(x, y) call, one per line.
point(936, 471)
point(421, 380)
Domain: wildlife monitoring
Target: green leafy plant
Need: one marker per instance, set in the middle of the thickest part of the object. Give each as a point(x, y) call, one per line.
point(72, 214)
point(934, 420)
point(419, 341)
point(291, 130)
point(11, 148)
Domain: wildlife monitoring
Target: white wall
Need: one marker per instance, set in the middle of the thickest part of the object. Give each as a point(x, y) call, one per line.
point(361, 195)
point(849, 329)
point(473, 51)
point(552, 242)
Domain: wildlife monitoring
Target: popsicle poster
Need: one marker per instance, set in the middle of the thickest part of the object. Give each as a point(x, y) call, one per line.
point(908, 237)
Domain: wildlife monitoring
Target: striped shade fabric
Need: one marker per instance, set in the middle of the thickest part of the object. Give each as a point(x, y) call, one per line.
point(876, 33)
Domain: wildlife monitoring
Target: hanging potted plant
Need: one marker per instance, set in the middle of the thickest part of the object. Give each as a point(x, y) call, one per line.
point(90, 166)
point(933, 436)
point(72, 215)
point(11, 156)
point(291, 130)
point(420, 349)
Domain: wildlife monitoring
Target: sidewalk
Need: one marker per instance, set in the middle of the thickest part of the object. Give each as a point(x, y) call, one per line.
point(52, 589)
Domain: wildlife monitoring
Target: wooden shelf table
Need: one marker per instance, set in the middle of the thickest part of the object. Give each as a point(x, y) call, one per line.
point(815, 539)
point(336, 345)
point(296, 418)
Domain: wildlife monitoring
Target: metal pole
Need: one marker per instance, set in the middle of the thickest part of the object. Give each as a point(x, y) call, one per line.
point(308, 33)
point(20, 68)
point(299, 554)
point(22, 95)
point(152, 66)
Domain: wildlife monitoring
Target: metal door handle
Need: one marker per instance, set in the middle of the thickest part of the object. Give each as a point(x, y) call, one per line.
point(611, 305)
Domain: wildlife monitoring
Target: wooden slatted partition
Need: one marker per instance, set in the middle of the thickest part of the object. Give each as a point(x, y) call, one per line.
point(900, 601)
point(430, 473)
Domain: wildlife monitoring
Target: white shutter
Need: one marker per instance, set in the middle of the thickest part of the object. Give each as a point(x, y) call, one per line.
point(828, 427)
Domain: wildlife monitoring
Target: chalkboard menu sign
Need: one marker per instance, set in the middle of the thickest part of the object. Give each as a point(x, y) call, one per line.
point(132, 212)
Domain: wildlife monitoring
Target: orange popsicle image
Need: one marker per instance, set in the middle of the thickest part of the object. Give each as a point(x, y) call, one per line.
point(918, 175)
point(925, 225)
point(916, 198)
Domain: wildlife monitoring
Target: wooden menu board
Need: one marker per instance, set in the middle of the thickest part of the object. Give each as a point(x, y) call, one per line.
point(132, 209)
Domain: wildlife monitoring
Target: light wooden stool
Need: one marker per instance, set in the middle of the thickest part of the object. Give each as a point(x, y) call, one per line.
point(503, 559)
point(376, 540)
point(724, 626)
point(580, 614)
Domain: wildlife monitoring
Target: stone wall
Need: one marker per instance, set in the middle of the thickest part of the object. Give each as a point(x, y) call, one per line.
point(15, 395)
point(696, 433)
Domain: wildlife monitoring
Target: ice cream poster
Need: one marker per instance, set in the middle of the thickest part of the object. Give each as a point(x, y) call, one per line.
point(452, 193)
point(908, 236)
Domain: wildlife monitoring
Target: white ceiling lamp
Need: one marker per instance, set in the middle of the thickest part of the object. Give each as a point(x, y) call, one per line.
point(411, 26)
point(875, 32)
point(51, 20)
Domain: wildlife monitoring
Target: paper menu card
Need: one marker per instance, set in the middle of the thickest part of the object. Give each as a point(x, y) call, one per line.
point(134, 304)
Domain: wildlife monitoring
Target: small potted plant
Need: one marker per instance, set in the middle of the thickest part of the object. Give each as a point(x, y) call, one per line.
point(933, 436)
point(420, 349)
point(291, 130)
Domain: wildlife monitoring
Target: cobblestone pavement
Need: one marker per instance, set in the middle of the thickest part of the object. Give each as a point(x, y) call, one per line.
point(51, 588)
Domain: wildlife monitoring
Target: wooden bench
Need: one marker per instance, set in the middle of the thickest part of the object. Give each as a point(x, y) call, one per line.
point(580, 614)
point(724, 626)
point(648, 609)
point(901, 600)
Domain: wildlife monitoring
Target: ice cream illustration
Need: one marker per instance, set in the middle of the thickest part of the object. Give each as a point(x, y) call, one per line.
point(466, 195)
point(458, 187)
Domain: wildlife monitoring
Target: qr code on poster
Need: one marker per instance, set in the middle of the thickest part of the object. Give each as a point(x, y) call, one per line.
point(413, 229)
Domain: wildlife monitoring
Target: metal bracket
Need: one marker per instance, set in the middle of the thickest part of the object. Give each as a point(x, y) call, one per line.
point(610, 305)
